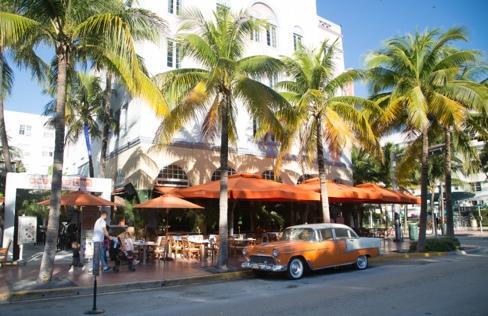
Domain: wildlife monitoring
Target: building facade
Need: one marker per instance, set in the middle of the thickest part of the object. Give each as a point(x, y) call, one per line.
point(134, 155)
point(31, 141)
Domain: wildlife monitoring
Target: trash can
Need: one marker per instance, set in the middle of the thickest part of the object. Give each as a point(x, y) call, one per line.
point(413, 231)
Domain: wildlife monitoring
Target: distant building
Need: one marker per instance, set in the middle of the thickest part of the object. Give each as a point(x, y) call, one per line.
point(31, 140)
point(468, 190)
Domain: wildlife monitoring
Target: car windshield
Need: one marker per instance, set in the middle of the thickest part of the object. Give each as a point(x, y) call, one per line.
point(305, 234)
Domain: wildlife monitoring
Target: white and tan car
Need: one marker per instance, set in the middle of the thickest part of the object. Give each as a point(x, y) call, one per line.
point(313, 246)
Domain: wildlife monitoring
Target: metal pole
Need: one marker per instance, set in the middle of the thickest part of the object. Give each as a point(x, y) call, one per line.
point(94, 309)
point(481, 218)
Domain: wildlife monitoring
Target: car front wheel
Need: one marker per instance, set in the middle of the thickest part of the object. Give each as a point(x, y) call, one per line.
point(296, 268)
point(361, 262)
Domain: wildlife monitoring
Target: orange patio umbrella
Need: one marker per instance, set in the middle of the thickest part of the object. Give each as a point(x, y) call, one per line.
point(80, 198)
point(412, 199)
point(246, 186)
point(167, 201)
point(341, 192)
point(387, 196)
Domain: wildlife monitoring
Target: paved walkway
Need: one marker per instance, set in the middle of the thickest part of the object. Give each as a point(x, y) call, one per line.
point(23, 277)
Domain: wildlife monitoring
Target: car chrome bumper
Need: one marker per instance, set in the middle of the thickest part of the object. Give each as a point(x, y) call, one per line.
point(263, 267)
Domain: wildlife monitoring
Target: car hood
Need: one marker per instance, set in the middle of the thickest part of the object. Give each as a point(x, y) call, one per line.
point(282, 246)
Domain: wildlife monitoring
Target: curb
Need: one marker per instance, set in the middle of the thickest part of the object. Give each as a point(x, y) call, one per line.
point(30, 295)
point(412, 255)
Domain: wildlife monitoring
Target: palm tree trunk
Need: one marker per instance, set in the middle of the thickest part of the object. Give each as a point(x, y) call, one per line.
point(441, 208)
point(47, 263)
point(432, 206)
point(223, 199)
point(447, 174)
point(106, 124)
point(324, 195)
point(3, 129)
point(424, 180)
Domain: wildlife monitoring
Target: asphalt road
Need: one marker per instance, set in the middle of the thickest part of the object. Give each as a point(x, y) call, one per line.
point(452, 285)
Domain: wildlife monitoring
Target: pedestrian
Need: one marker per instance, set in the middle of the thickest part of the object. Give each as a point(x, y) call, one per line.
point(99, 232)
point(75, 262)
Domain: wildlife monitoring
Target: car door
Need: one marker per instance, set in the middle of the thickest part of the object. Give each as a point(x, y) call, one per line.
point(341, 236)
point(326, 248)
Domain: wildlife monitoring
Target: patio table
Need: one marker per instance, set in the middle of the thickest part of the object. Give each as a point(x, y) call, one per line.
point(202, 243)
point(144, 245)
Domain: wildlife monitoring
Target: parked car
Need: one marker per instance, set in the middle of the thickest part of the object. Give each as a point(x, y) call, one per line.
point(314, 247)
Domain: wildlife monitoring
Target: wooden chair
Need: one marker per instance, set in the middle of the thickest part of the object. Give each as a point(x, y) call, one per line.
point(190, 250)
point(160, 250)
point(4, 254)
point(175, 247)
point(212, 249)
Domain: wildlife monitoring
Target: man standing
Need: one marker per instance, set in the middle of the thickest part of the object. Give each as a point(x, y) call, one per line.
point(99, 231)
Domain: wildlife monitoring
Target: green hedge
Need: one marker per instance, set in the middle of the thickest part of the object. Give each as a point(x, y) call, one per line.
point(438, 244)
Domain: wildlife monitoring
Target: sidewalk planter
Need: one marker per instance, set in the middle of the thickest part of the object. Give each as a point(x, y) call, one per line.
point(413, 231)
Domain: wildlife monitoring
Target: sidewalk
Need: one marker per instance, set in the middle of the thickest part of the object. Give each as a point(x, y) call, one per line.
point(22, 278)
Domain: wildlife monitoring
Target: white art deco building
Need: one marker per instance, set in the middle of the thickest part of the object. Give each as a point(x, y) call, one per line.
point(190, 160)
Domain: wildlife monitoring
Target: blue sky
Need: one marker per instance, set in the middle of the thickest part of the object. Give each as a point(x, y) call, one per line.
point(365, 24)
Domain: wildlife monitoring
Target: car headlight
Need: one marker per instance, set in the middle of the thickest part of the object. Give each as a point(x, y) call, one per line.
point(275, 253)
point(244, 252)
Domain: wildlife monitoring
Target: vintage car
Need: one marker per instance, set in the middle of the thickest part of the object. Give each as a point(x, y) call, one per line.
point(312, 246)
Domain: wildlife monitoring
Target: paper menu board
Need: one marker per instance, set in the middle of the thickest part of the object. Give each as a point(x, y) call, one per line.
point(27, 230)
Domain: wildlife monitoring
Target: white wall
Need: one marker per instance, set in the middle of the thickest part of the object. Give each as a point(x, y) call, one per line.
point(289, 15)
point(36, 146)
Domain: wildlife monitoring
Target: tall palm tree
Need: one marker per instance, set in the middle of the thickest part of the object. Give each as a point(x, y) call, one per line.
point(23, 56)
point(319, 114)
point(414, 74)
point(224, 78)
point(143, 25)
point(74, 28)
point(84, 105)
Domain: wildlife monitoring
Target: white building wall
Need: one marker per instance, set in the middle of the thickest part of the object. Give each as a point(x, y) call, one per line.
point(32, 140)
point(288, 15)
point(137, 120)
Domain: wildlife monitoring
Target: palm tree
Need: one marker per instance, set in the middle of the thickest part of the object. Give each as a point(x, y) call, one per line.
point(415, 75)
point(224, 78)
point(24, 57)
point(74, 29)
point(84, 104)
point(319, 115)
point(143, 25)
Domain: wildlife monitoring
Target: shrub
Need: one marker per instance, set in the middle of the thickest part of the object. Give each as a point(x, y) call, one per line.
point(438, 244)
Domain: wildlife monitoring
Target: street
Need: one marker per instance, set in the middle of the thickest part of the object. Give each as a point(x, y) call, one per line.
point(451, 285)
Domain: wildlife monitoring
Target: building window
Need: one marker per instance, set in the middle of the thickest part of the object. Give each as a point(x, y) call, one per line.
point(25, 130)
point(173, 55)
point(217, 172)
point(255, 36)
point(174, 6)
point(273, 80)
point(297, 41)
point(271, 35)
point(46, 153)
point(476, 186)
point(172, 176)
point(48, 133)
point(222, 6)
point(270, 175)
point(305, 177)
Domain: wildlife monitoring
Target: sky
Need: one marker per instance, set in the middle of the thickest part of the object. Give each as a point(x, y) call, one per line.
point(365, 25)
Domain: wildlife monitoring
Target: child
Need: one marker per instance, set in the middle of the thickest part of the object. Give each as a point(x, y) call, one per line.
point(75, 247)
